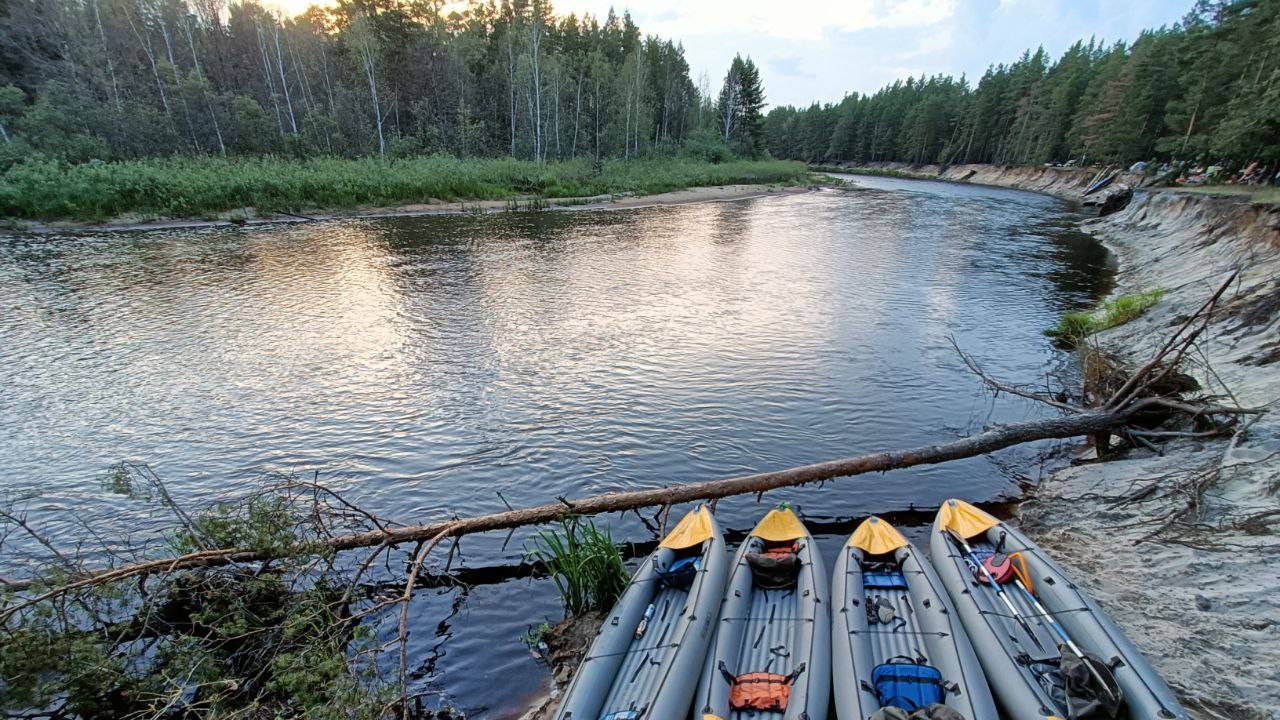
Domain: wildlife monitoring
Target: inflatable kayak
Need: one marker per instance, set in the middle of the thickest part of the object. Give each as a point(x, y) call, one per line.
point(1047, 648)
point(771, 654)
point(895, 639)
point(645, 662)
point(1100, 184)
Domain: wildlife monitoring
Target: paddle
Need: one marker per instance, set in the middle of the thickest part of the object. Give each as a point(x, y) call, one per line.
point(973, 561)
point(1066, 639)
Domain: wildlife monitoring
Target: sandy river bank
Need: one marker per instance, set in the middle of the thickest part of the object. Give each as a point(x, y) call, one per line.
point(1182, 545)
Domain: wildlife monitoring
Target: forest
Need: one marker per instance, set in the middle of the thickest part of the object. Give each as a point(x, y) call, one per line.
point(200, 108)
point(125, 79)
point(1206, 90)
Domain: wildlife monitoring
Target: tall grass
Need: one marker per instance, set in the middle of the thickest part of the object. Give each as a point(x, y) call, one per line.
point(200, 186)
point(585, 564)
point(1073, 327)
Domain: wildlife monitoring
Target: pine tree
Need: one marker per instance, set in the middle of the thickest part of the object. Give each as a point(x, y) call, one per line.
point(752, 104)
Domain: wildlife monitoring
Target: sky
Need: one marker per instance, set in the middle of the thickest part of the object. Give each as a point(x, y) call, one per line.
point(821, 50)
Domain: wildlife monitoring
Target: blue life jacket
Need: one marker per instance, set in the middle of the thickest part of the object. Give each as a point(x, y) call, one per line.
point(907, 685)
point(680, 574)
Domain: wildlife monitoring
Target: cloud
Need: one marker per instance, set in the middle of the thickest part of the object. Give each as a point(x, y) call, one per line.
point(823, 49)
point(790, 66)
point(770, 18)
point(933, 44)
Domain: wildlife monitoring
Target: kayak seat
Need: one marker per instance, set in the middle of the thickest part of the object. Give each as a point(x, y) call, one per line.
point(907, 684)
point(781, 549)
point(998, 565)
point(777, 565)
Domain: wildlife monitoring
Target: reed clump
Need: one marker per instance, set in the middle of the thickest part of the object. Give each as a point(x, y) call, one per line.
point(584, 562)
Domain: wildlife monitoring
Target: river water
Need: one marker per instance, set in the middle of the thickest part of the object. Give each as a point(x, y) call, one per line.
point(423, 365)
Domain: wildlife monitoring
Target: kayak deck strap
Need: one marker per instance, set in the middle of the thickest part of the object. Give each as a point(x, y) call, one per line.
point(1031, 615)
point(767, 619)
point(898, 632)
point(630, 651)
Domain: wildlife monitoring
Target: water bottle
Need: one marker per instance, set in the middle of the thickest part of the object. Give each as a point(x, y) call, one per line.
point(644, 621)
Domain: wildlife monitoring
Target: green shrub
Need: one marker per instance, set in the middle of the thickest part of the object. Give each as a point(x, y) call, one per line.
point(1075, 326)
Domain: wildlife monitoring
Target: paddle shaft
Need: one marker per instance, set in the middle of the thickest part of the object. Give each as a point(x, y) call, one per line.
point(973, 559)
point(1062, 633)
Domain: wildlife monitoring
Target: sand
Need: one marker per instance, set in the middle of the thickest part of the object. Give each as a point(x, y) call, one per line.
point(1201, 596)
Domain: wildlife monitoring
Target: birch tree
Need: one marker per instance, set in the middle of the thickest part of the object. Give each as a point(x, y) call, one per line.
point(363, 39)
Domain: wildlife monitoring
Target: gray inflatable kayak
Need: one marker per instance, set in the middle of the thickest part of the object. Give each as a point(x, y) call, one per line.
point(645, 662)
point(1021, 650)
point(772, 642)
point(891, 611)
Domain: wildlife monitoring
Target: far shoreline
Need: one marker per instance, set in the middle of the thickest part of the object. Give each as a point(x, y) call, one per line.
point(248, 217)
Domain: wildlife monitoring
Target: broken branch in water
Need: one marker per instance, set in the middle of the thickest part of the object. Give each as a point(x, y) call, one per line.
point(989, 441)
point(1115, 415)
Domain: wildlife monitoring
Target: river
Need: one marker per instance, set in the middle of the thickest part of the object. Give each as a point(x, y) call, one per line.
point(423, 365)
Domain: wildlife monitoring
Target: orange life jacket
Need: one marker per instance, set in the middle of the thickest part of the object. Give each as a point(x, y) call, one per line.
point(781, 549)
point(760, 691)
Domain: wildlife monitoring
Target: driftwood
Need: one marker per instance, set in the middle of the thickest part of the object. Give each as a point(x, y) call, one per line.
point(995, 439)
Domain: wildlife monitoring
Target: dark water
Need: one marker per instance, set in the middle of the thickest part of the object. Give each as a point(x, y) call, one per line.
point(425, 364)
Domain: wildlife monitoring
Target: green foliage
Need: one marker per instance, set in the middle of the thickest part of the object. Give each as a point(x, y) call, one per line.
point(272, 641)
point(38, 659)
point(1205, 90)
point(739, 108)
point(585, 564)
point(261, 523)
point(536, 635)
point(1074, 327)
point(196, 186)
point(707, 146)
point(1252, 193)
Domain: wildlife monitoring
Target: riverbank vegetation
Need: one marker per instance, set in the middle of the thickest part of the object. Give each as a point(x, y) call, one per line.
point(199, 186)
point(584, 562)
point(1075, 326)
point(1254, 194)
point(1205, 89)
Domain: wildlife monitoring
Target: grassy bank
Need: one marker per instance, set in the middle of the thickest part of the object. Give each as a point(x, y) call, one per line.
point(1073, 327)
point(200, 186)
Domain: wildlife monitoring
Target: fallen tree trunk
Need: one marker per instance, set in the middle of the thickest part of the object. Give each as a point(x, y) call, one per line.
point(1081, 424)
